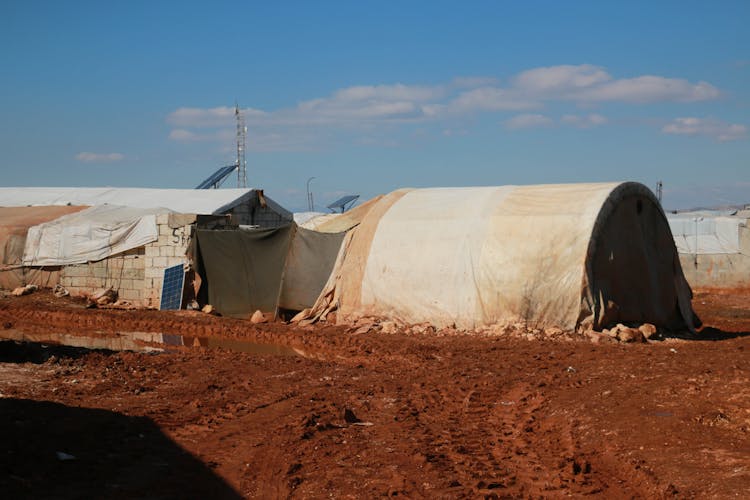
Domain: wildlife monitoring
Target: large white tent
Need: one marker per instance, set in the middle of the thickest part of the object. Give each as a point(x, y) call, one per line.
point(552, 255)
point(187, 201)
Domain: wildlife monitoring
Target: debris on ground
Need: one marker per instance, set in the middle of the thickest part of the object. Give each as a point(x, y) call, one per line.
point(257, 317)
point(101, 297)
point(24, 290)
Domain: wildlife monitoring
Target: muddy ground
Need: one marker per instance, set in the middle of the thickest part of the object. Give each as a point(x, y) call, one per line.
point(370, 414)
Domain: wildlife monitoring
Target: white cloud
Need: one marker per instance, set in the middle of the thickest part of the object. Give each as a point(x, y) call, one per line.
point(560, 81)
point(646, 89)
point(89, 157)
point(709, 127)
point(584, 84)
point(592, 83)
point(585, 121)
point(528, 121)
point(358, 110)
point(492, 99)
point(397, 92)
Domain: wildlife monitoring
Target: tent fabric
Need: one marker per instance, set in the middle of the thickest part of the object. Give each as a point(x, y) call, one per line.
point(243, 269)
point(705, 234)
point(90, 235)
point(301, 218)
point(14, 225)
point(189, 201)
point(550, 255)
point(265, 269)
point(309, 262)
point(339, 223)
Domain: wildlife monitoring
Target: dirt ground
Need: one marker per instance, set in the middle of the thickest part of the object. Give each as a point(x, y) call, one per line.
point(370, 414)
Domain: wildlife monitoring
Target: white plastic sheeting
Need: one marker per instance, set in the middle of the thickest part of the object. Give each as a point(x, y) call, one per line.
point(439, 276)
point(705, 234)
point(549, 255)
point(301, 218)
point(90, 235)
point(189, 201)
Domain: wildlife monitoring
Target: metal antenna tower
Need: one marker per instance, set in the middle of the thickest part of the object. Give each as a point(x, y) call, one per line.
point(241, 138)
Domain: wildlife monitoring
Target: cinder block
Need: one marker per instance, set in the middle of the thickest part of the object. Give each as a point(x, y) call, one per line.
point(173, 261)
point(98, 272)
point(153, 272)
point(133, 273)
point(152, 250)
point(160, 262)
point(129, 294)
point(72, 271)
point(166, 251)
point(165, 230)
point(93, 283)
point(125, 284)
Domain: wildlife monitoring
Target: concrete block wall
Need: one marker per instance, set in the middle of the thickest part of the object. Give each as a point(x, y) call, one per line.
point(137, 274)
point(123, 272)
point(169, 250)
point(716, 270)
point(249, 214)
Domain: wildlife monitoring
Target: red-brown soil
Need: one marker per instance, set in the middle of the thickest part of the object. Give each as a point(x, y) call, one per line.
point(372, 414)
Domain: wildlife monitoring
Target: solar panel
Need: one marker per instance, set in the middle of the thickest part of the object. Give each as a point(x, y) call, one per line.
point(171, 288)
point(342, 202)
point(215, 180)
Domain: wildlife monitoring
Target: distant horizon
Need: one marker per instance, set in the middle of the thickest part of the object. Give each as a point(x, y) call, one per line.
point(368, 98)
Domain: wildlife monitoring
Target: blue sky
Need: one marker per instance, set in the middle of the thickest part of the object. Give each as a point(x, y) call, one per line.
point(372, 96)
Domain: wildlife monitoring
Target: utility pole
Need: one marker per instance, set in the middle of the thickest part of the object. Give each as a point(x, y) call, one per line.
point(696, 220)
point(310, 204)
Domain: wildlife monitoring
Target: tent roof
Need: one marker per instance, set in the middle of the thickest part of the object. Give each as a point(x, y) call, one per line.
point(90, 235)
point(25, 217)
point(189, 201)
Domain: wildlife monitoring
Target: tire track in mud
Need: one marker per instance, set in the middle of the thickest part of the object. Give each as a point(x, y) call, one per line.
point(455, 417)
point(493, 443)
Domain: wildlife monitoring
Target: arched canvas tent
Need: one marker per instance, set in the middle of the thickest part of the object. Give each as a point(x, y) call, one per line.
point(551, 255)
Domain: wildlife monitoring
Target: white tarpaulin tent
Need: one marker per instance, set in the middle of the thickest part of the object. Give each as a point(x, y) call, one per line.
point(706, 233)
point(551, 255)
point(187, 201)
point(90, 235)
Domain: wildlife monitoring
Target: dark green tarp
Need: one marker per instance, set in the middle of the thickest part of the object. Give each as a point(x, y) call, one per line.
point(264, 269)
point(242, 269)
point(308, 264)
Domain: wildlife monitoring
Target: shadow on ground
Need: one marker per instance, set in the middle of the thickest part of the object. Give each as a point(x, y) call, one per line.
point(710, 333)
point(32, 352)
point(51, 450)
